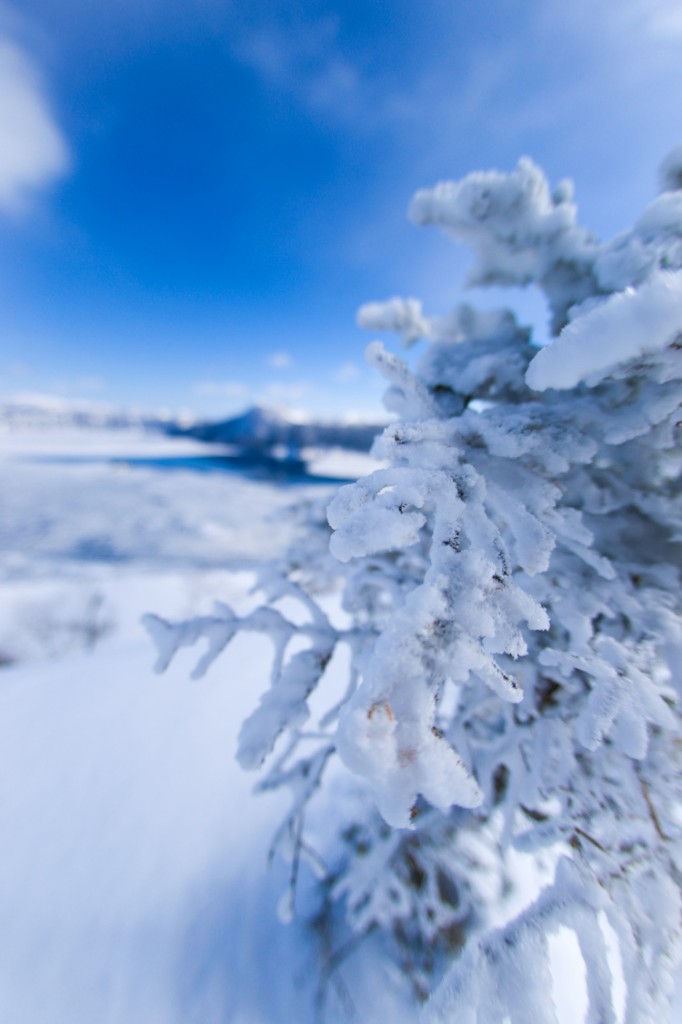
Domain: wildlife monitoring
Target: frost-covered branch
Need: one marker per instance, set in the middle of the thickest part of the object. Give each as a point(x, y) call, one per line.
point(512, 584)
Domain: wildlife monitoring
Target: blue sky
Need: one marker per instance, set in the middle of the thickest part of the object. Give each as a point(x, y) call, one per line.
point(196, 196)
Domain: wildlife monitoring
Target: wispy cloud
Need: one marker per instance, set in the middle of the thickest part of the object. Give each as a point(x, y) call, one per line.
point(286, 394)
point(664, 17)
point(346, 373)
point(33, 151)
point(279, 360)
point(632, 20)
point(303, 59)
point(220, 389)
point(301, 54)
point(86, 385)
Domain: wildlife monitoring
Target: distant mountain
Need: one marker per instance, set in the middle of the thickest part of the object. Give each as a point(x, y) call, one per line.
point(263, 428)
point(260, 430)
point(43, 412)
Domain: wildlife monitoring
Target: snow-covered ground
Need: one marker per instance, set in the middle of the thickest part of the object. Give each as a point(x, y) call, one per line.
point(134, 886)
point(134, 883)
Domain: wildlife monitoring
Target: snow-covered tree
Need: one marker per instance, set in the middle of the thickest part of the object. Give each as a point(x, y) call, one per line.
point(511, 634)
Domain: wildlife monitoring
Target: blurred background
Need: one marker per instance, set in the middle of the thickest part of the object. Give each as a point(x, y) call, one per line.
point(196, 196)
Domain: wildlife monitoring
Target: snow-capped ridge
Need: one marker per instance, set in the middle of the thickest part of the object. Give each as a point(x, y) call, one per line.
point(48, 412)
point(265, 428)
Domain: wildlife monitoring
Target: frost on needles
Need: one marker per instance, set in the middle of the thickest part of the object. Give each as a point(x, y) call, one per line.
point(511, 587)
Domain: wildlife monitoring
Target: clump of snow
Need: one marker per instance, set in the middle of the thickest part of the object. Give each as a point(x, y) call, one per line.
point(501, 215)
point(518, 229)
point(623, 327)
point(403, 316)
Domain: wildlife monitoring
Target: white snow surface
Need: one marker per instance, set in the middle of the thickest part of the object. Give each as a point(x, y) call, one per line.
point(79, 497)
point(623, 327)
point(134, 886)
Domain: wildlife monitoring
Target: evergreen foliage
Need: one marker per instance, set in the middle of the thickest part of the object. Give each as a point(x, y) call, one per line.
point(512, 630)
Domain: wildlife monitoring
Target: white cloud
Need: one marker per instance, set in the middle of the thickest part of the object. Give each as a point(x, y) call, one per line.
point(666, 18)
point(220, 389)
point(78, 385)
point(286, 393)
point(33, 151)
point(279, 360)
point(346, 373)
point(304, 60)
point(634, 19)
point(302, 56)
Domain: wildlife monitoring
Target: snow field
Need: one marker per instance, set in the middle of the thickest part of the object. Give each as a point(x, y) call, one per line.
point(134, 878)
